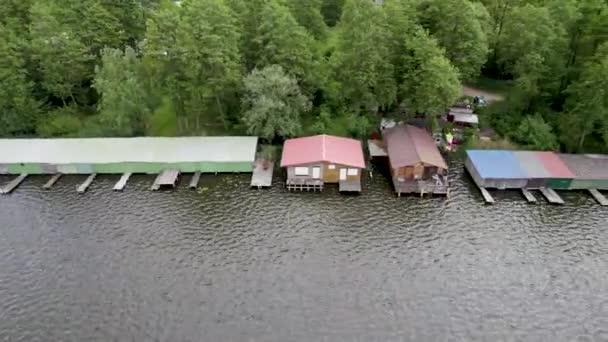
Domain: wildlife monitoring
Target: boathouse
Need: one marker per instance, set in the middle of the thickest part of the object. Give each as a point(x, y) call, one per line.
point(311, 162)
point(590, 171)
point(127, 155)
point(416, 165)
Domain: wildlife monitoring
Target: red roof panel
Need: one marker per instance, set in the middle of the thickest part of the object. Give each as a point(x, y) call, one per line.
point(554, 165)
point(323, 148)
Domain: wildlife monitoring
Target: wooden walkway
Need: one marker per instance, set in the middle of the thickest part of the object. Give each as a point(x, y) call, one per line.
point(122, 182)
point(601, 199)
point(528, 195)
point(84, 186)
point(486, 195)
point(12, 185)
point(346, 186)
point(551, 196)
point(262, 176)
point(51, 181)
point(166, 178)
point(196, 177)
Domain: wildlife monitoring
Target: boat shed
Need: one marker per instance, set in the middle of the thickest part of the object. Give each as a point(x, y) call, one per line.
point(313, 161)
point(415, 161)
point(122, 155)
point(495, 169)
point(591, 171)
point(462, 116)
point(538, 176)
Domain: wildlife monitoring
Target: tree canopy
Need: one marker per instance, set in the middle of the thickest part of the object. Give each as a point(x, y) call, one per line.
point(284, 67)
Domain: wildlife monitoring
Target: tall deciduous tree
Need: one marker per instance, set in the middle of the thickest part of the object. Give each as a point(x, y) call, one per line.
point(362, 61)
point(207, 44)
point(456, 26)
point(308, 15)
point(273, 103)
point(18, 109)
point(123, 105)
point(534, 133)
point(430, 83)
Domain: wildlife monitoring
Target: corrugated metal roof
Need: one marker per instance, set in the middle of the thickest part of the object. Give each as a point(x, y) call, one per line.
point(531, 164)
point(554, 165)
point(586, 166)
point(323, 148)
point(407, 145)
point(117, 150)
point(496, 164)
point(465, 118)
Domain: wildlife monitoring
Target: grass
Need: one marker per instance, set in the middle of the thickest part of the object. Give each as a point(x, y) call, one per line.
point(490, 84)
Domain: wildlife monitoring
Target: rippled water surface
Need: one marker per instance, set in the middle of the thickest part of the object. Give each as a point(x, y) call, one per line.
point(234, 264)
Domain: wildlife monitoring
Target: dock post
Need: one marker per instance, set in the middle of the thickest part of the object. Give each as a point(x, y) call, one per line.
point(599, 197)
point(122, 182)
point(51, 181)
point(12, 185)
point(85, 185)
point(195, 179)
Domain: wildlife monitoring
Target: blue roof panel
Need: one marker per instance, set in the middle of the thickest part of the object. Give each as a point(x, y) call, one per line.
point(496, 164)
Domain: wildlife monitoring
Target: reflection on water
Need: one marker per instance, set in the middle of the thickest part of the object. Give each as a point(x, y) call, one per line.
point(234, 264)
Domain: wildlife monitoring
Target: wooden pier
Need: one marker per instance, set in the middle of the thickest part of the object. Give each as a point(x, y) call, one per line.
point(262, 174)
point(196, 177)
point(12, 185)
point(486, 195)
point(304, 185)
point(167, 178)
point(51, 181)
point(352, 186)
point(551, 196)
point(528, 195)
point(82, 188)
point(122, 182)
point(599, 197)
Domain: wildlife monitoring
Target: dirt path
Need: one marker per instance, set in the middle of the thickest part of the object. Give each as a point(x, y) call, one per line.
point(488, 95)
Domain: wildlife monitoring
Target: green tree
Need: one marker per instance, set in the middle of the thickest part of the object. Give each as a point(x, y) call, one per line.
point(457, 27)
point(430, 83)
point(18, 109)
point(362, 68)
point(308, 15)
point(123, 105)
point(535, 133)
point(209, 62)
point(273, 103)
point(332, 11)
point(587, 104)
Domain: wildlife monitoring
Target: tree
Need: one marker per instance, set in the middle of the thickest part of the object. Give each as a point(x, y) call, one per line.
point(361, 63)
point(209, 62)
point(430, 83)
point(308, 15)
point(273, 103)
point(535, 133)
point(123, 105)
point(332, 11)
point(457, 27)
point(18, 109)
point(587, 104)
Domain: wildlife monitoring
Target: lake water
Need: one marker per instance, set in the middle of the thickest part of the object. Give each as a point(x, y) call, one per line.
point(234, 264)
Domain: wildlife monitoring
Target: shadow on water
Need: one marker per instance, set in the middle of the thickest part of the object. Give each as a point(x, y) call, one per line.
point(227, 263)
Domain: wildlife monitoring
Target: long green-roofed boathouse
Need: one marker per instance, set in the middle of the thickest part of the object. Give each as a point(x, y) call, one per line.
point(168, 157)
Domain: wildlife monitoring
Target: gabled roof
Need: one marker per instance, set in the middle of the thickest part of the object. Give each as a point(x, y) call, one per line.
point(323, 148)
point(407, 145)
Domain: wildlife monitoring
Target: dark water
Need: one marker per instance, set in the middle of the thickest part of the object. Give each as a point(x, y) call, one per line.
point(233, 264)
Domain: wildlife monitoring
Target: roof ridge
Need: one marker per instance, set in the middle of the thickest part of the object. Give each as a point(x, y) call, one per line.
point(413, 141)
point(323, 149)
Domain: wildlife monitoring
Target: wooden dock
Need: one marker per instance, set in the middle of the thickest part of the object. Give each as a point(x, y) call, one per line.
point(551, 196)
point(528, 195)
point(122, 182)
point(12, 185)
point(346, 186)
point(601, 199)
point(82, 188)
point(262, 174)
point(486, 195)
point(167, 178)
point(51, 181)
point(196, 177)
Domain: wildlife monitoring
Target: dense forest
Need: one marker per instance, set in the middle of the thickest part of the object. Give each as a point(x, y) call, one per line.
point(279, 68)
